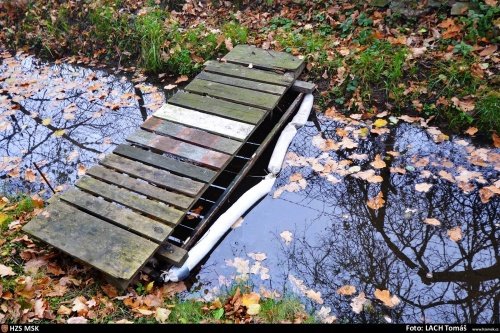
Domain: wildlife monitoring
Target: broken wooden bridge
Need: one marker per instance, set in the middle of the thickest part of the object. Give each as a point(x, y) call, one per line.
point(144, 198)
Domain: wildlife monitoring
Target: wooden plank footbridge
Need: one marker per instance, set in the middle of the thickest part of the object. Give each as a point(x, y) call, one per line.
point(131, 206)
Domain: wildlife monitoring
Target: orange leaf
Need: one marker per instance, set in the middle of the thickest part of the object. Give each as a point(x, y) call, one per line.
point(455, 234)
point(471, 131)
point(386, 298)
point(378, 163)
point(346, 290)
point(376, 202)
point(496, 140)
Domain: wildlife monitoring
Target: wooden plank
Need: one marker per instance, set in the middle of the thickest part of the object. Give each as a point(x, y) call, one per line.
point(303, 87)
point(110, 249)
point(234, 94)
point(124, 218)
point(140, 187)
point(222, 126)
point(153, 175)
point(172, 254)
point(166, 144)
point(242, 83)
point(193, 135)
point(166, 163)
point(252, 74)
point(219, 107)
point(247, 54)
point(126, 198)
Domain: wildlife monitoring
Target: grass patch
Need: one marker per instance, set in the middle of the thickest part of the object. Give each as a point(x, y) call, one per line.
point(151, 33)
point(285, 310)
point(487, 112)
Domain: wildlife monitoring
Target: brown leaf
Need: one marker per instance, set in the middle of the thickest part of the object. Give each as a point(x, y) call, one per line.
point(161, 315)
point(109, 290)
point(30, 175)
point(455, 234)
point(386, 298)
point(471, 131)
point(376, 202)
point(80, 306)
point(423, 187)
point(63, 310)
point(496, 140)
point(432, 221)
point(489, 50)
point(182, 78)
point(77, 320)
point(487, 192)
point(81, 170)
point(228, 43)
point(346, 290)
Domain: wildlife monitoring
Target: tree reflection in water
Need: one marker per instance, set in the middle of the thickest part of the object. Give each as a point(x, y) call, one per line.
point(96, 111)
point(391, 248)
point(338, 240)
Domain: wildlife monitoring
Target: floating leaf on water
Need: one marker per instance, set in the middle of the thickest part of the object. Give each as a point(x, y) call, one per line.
point(423, 187)
point(287, 237)
point(30, 175)
point(376, 202)
point(346, 290)
point(378, 163)
point(455, 233)
point(432, 221)
point(81, 170)
point(380, 123)
point(46, 121)
point(314, 296)
point(358, 302)
point(487, 192)
point(386, 298)
point(59, 133)
point(258, 256)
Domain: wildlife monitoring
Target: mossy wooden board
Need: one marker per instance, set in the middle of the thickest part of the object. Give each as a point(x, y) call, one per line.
point(126, 198)
point(123, 218)
point(234, 94)
point(242, 83)
point(218, 107)
point(251, 74)
point(153, 175)
point(112, 250)
point(140, 186)
point(192, 135)
point(203, 156)
point(166, 163)
point(281, 61)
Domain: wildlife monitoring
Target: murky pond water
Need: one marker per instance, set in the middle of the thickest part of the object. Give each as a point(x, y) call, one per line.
point(430, 246)
point(62, 118)
point(403, 219)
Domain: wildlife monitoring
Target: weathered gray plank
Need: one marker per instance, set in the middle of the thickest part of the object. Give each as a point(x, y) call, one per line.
point(252, 74)
point(126, 198)
point(172, 254)
point(203, 156)
point(110, 249)
point(140, 187)
point(166, 163)
point(247, 54)
point(193, 135)
point(124, 218)
point(303, 87)
point(153, 175)
point(219, 107)
point(242, 83)
point(222, 126)
point(234, 94)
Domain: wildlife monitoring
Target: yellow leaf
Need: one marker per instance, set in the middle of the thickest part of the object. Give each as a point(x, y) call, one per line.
point(149, 286)
point(346, 290)
point(363, 132)
point(59, 133)
point(380, 123)
point(249, 299)
point(3, 217)
point(253, 309)
point(46, 121)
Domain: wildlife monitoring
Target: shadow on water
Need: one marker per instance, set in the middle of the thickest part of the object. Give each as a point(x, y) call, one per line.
point(62, 118)
point(338, 240)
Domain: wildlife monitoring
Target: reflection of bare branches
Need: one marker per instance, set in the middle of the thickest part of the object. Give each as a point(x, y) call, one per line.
point(391, 248)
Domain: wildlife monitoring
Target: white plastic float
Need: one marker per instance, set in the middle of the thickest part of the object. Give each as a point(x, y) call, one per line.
point(247, 200)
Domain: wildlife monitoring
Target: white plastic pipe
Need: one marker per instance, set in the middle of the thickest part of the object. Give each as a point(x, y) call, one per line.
point(219, 228)
point(286, 137)
point(247, 200)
